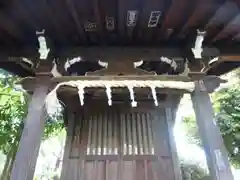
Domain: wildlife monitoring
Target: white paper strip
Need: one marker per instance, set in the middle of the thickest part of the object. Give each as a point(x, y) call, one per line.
point(109, 95)
point(81, 94)
point(134, 103)
point(52, 102)
point(154, 94)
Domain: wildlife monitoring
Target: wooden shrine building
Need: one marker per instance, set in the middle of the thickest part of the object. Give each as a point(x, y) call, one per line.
point(120, 68)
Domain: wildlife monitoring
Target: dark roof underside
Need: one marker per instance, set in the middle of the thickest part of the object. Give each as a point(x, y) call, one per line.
point(65, 23)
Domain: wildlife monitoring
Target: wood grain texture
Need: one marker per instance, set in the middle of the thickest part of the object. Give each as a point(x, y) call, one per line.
point(64, 21)
point(216, 154)
point(25, 162)
point(115, 144)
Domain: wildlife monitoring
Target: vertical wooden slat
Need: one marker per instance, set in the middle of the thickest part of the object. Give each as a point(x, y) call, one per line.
point(112, 170)
point(99, 170)
point(172, 144)
point(127, 170)
point(83, 150)
point(144, 133)
point(65, 164)
point(109, 134)
point(112, 132)
point(75, 143)
point(123, 136)
point(116, 135)
point(95, 135)
point(74, 169)
point(82, 170)
point(85, 135)
point(150, 134)
point(74, 151)
point(129, 134)
point(113, 129)
point(139, 134)
point(120, 169)
point(134, 134)
point(100, 145)
point(89, 170)
point(107, 170)
point(105, 143)
point(80, 148)
point(126, 132)
point(96, 123)
point(145, 170)
point(89, 144)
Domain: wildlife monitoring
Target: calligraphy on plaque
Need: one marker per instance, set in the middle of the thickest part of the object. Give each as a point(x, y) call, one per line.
point(110, 23)
point(154, 18)
point(90, 26)
point(132, 18)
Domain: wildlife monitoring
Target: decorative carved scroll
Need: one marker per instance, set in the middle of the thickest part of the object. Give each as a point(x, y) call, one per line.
point(165, 66)
point(120, 68)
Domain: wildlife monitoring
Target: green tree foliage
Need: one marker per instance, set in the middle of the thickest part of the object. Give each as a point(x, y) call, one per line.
point(226, 103)
point(190, 128)
point(13, 110)
point(193, 172)
point(227, 108)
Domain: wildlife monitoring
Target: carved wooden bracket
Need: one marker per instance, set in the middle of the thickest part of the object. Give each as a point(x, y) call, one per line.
point(208, 83)
point(120, 68)
point(44, 67)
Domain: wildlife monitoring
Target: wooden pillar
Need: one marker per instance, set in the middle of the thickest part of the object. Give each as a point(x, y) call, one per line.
point(168, 167)
point(215, 150)
point(170, 113)
point(26, 157)
point(68, 142)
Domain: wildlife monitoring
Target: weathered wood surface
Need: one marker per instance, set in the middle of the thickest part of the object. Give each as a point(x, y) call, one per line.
point(25, 162)
point(162, 145)
point(69, 136)
point(170, 113)
point(87, 22)
point(129, 77)
point(115, 143)
point(217, 157)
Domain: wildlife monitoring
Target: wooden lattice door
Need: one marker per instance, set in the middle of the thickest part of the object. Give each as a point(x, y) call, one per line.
point(114, 145)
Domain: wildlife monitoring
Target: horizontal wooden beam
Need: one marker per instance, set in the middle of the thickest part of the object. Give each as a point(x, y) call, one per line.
point(230, 58)
point(233, 58)
point(119, 53)
point(128, 53)
point(116, 53)
point(114, 78)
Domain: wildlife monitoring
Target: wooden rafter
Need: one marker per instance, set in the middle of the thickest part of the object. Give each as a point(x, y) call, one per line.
point(224, 15)
point(77, 21)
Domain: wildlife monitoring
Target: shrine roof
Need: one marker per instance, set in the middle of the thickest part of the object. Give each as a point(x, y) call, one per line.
point(119, 23)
